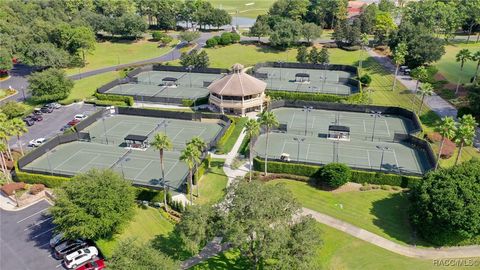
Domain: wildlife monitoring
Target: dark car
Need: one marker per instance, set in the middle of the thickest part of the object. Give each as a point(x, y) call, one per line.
point(36, 117)
point(37, 111)
point(67, 247)
point(29, 121)
point(46, 109)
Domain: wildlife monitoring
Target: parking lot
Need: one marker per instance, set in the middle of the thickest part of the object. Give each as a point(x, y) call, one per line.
point(24, 239)
point(53, 122)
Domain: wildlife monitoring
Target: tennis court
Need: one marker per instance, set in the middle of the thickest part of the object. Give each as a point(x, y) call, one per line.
point(184, 85)
point(397, 157)
point(106, 149)
point(361, 124)
point(319, 81)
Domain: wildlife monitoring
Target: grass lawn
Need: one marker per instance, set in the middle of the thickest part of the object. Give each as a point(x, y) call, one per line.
point(145, 225)
point(113, 53)
point(212, 184)
point(86, 87)
point(378, 211)
point(252, 10)
point(232, 139)
point(450, 68)
point(339, 251)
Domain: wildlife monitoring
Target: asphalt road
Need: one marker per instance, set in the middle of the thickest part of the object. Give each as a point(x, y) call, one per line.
point(52, 122)
point(24, 239)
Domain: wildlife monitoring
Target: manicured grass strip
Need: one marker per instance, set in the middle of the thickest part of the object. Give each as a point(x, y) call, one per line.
point(108, 54)
point(229, 142)
point(145, 225)
point(450, 68)
point(86, 87)
point(213, 183)
point(252, 10)
point(378, 211)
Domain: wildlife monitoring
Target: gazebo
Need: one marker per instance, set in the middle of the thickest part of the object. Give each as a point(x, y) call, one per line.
point(337, 132)
point(302, 78)
point(237, 92)
point(136, 141)
point(169, 81)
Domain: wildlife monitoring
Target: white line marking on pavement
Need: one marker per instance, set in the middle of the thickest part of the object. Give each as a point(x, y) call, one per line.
point(386, 124)
point(37, 223)
point(368, 156)
point(396, 161)
point(51, 229)
point(364, 127)
point(33, 215)
point(58, 265)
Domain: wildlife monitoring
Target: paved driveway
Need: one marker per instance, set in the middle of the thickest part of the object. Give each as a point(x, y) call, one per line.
point(24, 239)
point(53, 122)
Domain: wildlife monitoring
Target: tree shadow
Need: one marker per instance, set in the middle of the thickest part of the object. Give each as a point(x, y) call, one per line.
point(392, 217)
point(226, 260)
point(171, 245)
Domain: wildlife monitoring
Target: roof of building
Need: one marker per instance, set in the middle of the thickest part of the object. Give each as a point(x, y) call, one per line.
point(169, 79)
point(137, 138)
point(237, 83)
point(302, 75)
point(338, 128)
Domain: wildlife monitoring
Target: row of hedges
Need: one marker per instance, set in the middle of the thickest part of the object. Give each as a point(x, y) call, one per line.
point(33, 178)
point(191, 102)
point(105, 102)
point(226, 135)
point(313, 171)
point(225, 39)
point(119, 98)
point(289, 95)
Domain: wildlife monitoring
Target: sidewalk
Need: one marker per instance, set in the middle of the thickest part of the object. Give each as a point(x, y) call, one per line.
point(7, 204)
point(435, 102)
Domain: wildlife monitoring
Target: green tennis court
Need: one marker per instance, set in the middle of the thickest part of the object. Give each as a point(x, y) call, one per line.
point(361, 124)
point(184, 79)
point(319, 81)
point(397, 157)
point(106, 149)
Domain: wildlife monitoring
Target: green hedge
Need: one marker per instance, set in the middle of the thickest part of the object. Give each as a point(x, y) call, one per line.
point(226, 135)
point(289, 95)
point(126, 99)
point(191, 102)
point(105, 102)
point(357, 175)
point(47, 180)
point(204, 166)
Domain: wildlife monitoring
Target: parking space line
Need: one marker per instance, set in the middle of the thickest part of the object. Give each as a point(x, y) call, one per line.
point(41, 211)
point(37, 223)
point(58, 265)
point(42, 233)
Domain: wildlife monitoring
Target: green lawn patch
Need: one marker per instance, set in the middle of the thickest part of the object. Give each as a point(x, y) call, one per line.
point(85, 88)
point(108, 54)
point(450, 68)
point(228, 140)
point(252, 10)
point(145, 225)
point(213, 183)
point(378, 211)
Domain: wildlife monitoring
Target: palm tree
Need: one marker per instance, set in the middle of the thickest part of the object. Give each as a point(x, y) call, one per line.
point(447, 130)
point(252, 129)
point(476, 57)
point(399, 59)
point(161, 142)
point(420, 74)
point(425, 90)
point(18, 129)
point(190, 155)
point(3, 163)
point(268, 120)
point(5, 133)
point(200, 144)
point(363, 42)
point(462, 56)
point(465, 133)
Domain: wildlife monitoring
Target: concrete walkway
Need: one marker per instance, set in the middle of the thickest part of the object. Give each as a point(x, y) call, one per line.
point(211, 249)
point(435, 102)
point(409, 251)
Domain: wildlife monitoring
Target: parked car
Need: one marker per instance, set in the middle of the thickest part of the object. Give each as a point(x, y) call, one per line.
point(56, 239)
point(79, 257)
point(93, 265)
point(80, 116)
point(73, 122)
point(37, 111)
point(29, 121)
point(67, 247)
point(54, 105)
point(65, 127)
point(37, 142)
point(46, 109)
point(36, 117)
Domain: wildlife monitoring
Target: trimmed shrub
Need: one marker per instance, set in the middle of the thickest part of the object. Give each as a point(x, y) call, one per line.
point(448, 149)
point(36, 188)
point(366, 80)
point(211, 42)
point(235, 37)
point(226, 38)
point(47, 180)
point(434, 137)
point(187, 102)
point(288, 95)
point(126, 99)
point(226, 135)
point(464, 110)
point(106, 102)
point(287, 168)
point(335, 174)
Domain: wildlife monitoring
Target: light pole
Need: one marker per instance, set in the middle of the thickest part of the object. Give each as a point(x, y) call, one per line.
point(325, 65)
point(48, 160)
point(335, 151)
point(299, 141)
point(375, 115)
point(104, 129)
point(121, 166)
point(281, 64)
point(23, 93)
point(189, 68)
point(306, 109)
point(383, 148)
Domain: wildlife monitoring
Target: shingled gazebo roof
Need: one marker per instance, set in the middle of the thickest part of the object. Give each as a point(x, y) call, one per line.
point(237, 83)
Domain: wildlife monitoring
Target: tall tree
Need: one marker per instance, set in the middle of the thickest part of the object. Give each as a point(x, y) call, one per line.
point(260, 28)
point(201, 145)
point(447, 130)
point(190, 155)
point(367, 18)
point(49, 85)
point(324, 56)
point(311, 31)
point(189, 36)
point(363, 43)
point(292, 9)
point(202, 61)
point(384, 25)
point(3, 161)
point(465, 133)
point(462, 56)
point(386, 5)
point(420, 74)
point(162, 143)
point(6, 133)
point(302, 54)
point(93, 205)
point(285, 33)
point(252, 129)
point(425, 90)
point(268, 120)
point(18, 129)
point(471, 9)
point(313, 56)
point(476, 57)
point(5, 60)
point(399, 58)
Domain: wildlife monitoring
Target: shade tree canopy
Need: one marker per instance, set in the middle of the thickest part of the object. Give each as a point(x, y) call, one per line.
point(49, 85)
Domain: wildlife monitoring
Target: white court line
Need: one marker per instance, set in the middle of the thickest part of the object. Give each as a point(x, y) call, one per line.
point(283, 148)
point(386, 124)
point(308, 150)
point(171, 168)
point(42, 233)
point(65, 161)
point(364, 127)
point(293, 118)
point(313, 122)
point(173, 139)
point(142, 170)
point(88, 163)
point(32, 215)
point(37, 223)
point(395, 156)
point(368, 156)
